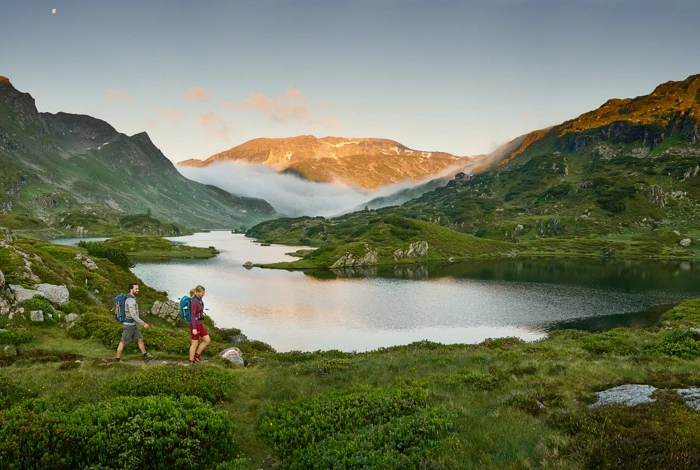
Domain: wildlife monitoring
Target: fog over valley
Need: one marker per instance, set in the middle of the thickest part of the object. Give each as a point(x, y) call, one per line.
point(290, 195)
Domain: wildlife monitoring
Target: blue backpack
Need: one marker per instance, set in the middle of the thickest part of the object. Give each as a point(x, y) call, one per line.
point(185, 307)
point(119, 308)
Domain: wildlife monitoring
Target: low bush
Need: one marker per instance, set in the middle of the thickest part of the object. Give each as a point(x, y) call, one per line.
point(664, 434)
point(38, 303)
point(327, 366)
point(370, 428)
point(683, 343)
point(478, 380)
point(112, 253)
point(15, 337)
point(103, 328)
point(149, 432)
point(404, 442)
point(208, 383)
point(610, 342)
point(11, 393)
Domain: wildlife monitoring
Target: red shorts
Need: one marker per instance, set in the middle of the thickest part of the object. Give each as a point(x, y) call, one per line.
point(201, 331)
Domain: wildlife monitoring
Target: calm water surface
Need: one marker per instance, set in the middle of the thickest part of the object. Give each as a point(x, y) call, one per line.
point(457, 303)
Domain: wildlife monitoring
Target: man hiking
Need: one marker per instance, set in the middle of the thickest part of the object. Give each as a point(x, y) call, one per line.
point(131, 325)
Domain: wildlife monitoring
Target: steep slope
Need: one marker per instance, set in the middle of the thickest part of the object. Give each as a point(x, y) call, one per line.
point(365, 163)
point(55, 165)
point(629, 166)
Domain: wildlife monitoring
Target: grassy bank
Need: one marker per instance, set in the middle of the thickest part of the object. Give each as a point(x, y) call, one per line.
point(394, 240)
point(145, 247)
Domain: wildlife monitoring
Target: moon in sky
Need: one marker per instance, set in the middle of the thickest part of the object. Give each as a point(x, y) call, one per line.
point(53, 11)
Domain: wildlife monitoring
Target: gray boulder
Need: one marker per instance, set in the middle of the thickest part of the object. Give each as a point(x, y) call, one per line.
point(87, 262)
point(56, 294)
point(20, 294)
point(2, 280)
point(630, 395)
point(234, 355)
point(71, 317)
point(36, 315)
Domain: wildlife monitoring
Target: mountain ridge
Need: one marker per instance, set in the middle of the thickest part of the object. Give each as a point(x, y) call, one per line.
point(368, 163)
point(59, 165)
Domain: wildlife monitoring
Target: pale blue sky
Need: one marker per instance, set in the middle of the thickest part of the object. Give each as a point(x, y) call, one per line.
point(456, 76)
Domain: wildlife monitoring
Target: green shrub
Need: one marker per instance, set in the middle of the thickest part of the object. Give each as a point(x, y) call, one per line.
point(79, 294)
point(611, 342)
point(327, 365)
point(401, 443)
point(10, 262)
point(72, 307)
point(15, 337)
point(303, 356)
point(680, 343)
point(11, 393)
point(664, 434)
point(103, 328)
point(366, 428)
point(112, 253)
point(148, 432)
point(500, 343)
point(297, 424)
point(209, 384)
point(40, 303)
point(478, 380)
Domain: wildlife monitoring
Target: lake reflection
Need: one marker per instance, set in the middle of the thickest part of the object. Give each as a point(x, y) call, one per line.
point(365, 309)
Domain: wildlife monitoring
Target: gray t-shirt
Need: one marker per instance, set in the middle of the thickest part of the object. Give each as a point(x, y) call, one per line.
point(132, 311)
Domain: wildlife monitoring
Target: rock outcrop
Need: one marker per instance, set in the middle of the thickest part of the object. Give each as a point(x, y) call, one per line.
point(415, 250)
point(168, 311)
point(348, 260)
point(637, 394)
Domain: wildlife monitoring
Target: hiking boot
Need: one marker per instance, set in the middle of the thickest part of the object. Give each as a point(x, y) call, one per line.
point(147, 358)
point(116, 360)
point(197, 358)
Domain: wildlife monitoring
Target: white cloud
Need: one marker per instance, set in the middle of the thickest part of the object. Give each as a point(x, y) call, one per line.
point(289, 195)
point(215, 126)
point(171, 114)
point(196, 94)
point(293, 106)
point(114, 95)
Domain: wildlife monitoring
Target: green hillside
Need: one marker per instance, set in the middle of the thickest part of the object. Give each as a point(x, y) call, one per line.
point(63, 167)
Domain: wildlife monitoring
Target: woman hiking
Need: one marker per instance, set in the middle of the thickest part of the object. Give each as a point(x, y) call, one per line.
point(197, 330)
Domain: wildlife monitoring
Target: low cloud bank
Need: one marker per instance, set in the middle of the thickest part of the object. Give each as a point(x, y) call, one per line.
point(289, 195)
point(293, 196)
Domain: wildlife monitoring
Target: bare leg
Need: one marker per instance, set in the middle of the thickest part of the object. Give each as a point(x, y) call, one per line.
point(193, 348)
point(142, 348)
point(205, 342)
point(120, 348)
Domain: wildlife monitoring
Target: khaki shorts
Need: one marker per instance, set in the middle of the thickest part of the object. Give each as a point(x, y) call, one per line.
point(131, 332)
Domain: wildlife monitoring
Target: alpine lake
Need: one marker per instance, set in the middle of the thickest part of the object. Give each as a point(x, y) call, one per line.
point(371, 308)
